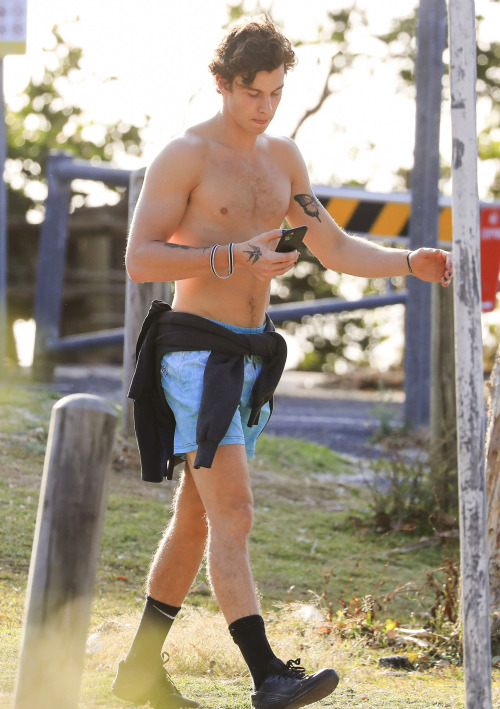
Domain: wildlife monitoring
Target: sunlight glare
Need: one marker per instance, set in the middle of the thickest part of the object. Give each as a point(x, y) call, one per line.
point(24, 335)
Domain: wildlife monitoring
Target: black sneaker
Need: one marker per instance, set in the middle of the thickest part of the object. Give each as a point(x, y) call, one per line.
point(139, 683)
point(292, 688)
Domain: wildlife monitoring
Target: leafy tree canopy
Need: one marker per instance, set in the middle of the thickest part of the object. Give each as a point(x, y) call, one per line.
point(401, 44)
point(44, 120)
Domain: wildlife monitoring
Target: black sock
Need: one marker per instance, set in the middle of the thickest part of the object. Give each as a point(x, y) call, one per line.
point(250, 635)
point(156, 621)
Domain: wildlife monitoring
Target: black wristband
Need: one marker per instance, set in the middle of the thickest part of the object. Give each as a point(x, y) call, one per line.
point(410, 269)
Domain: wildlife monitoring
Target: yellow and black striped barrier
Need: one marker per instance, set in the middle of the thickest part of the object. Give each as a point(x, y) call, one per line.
point(383, 215)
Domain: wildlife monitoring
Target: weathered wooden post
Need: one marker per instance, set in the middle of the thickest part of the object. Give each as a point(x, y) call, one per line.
point(493, 484)
point(65, 552)
point(138, 297)
point(443, 423)
point(3, 231)
point(469, 358)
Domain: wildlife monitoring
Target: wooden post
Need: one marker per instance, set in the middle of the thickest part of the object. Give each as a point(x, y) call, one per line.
point(3, 233)
point(493, 484)
point(469, 358)
point(65, 552)
point(138, 297)
point(443, 423)
point(431, 42)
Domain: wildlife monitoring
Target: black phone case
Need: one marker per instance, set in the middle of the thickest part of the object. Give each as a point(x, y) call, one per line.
point(291, 239)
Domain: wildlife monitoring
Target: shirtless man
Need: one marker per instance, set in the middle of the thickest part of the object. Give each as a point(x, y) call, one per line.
point(225, 182)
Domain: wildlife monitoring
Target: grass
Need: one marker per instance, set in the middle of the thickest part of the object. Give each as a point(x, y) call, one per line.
point(313, 547)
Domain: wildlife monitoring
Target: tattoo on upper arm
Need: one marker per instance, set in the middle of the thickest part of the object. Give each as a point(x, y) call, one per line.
point(309, 204)
point(254, 253)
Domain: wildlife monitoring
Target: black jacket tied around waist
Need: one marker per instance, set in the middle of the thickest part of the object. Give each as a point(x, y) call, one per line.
point(166, 330)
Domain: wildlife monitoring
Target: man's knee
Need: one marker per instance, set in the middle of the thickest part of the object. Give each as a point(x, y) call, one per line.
point(226, 492)
point(234, 519)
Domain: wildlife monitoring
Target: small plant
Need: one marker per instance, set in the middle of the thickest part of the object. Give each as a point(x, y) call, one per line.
point(446, 607)
point(389, 429)
point(401, 494)
point(356, 617)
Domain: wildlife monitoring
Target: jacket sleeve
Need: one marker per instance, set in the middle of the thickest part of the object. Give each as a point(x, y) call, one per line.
point(222, 387)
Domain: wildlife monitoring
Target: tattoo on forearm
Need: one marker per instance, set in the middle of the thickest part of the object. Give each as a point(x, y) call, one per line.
point(183, 246)
point(309, 204)
point(254, 253)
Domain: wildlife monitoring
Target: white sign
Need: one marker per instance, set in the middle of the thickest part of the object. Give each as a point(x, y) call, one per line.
point(13, 21)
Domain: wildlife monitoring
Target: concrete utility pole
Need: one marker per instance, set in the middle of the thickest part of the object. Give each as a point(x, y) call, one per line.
point(431, 42)
point(469, 358)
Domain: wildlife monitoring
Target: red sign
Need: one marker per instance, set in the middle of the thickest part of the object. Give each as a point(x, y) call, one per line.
point(490, 255)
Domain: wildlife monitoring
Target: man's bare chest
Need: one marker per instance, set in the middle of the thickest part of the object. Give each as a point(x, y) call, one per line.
point(242, 190)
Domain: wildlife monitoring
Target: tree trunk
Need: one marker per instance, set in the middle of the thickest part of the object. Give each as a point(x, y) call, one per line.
point(493, 483)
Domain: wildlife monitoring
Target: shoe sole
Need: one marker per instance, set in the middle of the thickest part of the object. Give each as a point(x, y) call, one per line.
point(327, 686)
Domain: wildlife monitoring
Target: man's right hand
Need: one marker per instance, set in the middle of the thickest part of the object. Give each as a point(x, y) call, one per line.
point(258, 255)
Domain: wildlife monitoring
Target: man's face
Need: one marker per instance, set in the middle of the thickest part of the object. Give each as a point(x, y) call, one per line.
point(253, 107)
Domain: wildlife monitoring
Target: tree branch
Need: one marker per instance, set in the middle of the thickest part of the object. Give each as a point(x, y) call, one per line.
point(311, 111)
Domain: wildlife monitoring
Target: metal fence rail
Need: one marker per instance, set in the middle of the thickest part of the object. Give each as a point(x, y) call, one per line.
point(62, 169)
point(296, 311)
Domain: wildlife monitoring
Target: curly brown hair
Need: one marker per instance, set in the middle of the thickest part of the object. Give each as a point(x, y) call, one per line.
point(250, 47)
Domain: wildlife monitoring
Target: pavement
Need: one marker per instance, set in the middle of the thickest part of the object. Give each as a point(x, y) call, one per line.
point(308, 405)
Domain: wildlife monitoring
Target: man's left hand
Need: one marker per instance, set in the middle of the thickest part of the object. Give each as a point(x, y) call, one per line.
point(433, 265)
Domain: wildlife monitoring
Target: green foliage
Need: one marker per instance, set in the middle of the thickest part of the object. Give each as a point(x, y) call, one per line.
point(46, 121)
point(236, 12)
point(402, 48)
point(401, 44)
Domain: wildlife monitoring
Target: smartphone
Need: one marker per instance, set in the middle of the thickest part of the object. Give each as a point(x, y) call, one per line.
point(291, 239)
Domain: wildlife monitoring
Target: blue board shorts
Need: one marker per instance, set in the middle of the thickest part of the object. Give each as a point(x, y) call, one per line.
point(182, 382)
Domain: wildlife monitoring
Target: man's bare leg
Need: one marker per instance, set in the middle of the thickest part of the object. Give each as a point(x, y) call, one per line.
point(179, 554)
point(227, 498)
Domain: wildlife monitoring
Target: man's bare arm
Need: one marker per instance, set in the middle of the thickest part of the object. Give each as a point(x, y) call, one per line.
point(151, 256)
point(346, 253)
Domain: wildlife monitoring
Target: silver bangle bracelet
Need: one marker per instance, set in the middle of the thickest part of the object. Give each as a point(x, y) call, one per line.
point(230, 265)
